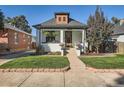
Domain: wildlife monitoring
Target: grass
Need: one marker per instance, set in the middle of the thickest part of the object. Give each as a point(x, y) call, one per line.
point(116, 62)
point(37, 62)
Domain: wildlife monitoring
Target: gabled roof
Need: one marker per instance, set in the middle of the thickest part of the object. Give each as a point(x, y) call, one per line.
point(73, 24)
point(118, 30)
point(9, 26)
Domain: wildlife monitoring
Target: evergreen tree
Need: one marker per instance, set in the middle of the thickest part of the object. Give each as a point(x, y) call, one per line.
point(19, 22)
point(99, 30)
point(1, 20)
point(115, 20)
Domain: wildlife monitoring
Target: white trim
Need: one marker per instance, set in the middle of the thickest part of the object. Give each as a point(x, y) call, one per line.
point(61, 36)
point(37, 38)
point(83, 40)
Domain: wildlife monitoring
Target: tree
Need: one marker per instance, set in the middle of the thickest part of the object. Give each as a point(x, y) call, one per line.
point(99, 30)
point(19, 22)
point(1, 20)
point(115, 20)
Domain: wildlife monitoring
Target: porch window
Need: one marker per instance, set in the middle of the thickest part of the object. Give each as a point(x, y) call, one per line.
point(51, 36)
point(50, 39)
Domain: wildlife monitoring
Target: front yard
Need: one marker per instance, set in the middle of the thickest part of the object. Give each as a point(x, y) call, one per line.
point(116, 62)
point(37, 62)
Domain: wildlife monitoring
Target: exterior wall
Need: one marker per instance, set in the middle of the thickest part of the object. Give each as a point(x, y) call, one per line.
point(3, 41)
point(62, 19)
point(120, 43)
point(24, 41)
point(120, 47)
point(120, 38)
point(52, 47)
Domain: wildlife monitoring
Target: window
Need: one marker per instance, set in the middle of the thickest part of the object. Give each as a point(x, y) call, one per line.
point(59, 18)
point(29, 37)
point(24, 37)
point(64, 19)
point(50, 39)
point(16, 38)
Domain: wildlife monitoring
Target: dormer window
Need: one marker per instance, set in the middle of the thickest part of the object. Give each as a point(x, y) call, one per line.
point(64, 19)
point(59, 18)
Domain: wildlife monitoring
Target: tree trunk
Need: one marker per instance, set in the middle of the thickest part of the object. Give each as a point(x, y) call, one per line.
point(97, 50)
point(90, 48)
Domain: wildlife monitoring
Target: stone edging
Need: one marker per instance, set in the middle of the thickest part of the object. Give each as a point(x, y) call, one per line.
point(104, 70)
point(35, 70)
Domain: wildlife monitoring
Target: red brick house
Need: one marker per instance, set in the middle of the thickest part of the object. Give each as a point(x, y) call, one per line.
point(13, 39)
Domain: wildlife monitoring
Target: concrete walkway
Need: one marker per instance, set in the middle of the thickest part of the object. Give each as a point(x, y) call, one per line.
point(77, 76)
point(75, 62)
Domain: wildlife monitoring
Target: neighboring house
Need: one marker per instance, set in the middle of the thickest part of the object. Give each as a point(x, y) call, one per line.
point(13, 39)
point(118, 36)
point(68, 30)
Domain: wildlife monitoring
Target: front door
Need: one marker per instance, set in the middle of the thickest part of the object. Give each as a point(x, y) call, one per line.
point(68, 38)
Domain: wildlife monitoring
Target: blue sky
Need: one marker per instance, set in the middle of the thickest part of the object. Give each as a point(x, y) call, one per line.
point(38, 14)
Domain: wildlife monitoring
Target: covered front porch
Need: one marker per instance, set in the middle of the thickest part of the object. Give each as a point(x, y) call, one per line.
point(50, 39)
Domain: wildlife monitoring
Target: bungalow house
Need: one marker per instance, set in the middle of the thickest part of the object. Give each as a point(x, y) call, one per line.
point(118, 36)
point(13, 39)
point(68, 31)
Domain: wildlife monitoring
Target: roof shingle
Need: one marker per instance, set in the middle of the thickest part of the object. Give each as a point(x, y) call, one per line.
point(52, 24)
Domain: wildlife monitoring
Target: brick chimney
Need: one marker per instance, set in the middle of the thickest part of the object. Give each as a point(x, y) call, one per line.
point(62, 18)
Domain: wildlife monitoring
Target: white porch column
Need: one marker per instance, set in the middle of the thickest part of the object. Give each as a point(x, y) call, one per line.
point(38, 38)
point(83, 41)
point(61, 41)
point(61, 36)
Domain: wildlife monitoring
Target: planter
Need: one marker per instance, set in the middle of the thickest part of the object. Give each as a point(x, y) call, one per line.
point(78, 52)
point(62, 52)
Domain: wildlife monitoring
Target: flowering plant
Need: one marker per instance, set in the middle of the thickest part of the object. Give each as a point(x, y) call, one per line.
point(62, 45)
point(79, 46)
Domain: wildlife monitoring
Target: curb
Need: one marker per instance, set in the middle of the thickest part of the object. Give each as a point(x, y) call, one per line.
point(104, 70)
point(35, 69)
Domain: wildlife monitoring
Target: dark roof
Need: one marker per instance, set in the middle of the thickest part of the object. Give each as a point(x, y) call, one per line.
point(61, 13)
point(118, 30)
point(73, 24)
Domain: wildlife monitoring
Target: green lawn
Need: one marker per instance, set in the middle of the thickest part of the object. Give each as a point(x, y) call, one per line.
point(104, 62)
point(37, 62)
